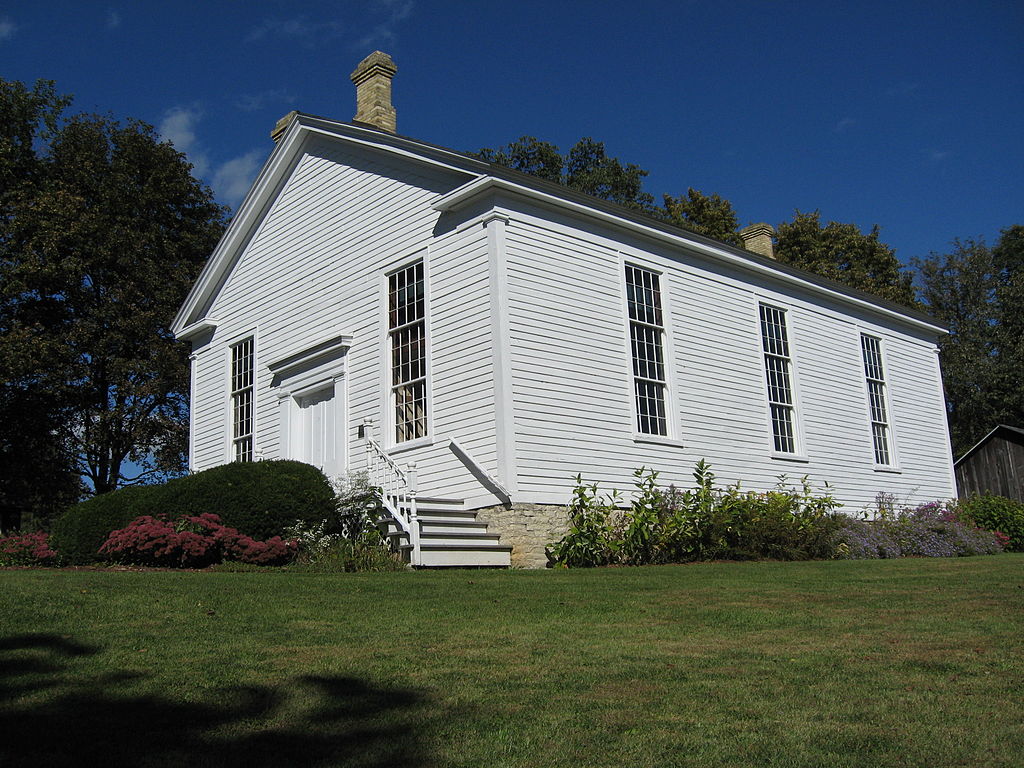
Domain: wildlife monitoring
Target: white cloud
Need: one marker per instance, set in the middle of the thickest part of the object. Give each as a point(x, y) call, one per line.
point(7, 29)
point(178, 127)
point(399, 9)
point(845, 123)
point(232, 180)
point(113, 19)
point(903, 88)
point(299, 28)
point(383, 33)
point(381, 17)
point(251, 102)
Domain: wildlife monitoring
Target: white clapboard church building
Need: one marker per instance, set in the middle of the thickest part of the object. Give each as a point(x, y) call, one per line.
point(475, 337)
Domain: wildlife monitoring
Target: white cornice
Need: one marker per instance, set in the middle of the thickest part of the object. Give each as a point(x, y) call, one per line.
point(461, 196)
point(302, 128)
point(287, 151)
point(191, 331)
point(327, 348)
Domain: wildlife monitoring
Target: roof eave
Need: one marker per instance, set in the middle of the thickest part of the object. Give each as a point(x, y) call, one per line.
point(472, 190)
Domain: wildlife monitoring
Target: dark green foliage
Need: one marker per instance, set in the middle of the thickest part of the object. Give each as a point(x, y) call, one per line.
point(260, 499)
point(707, 522)
point(711, 216)
point(528, 155)
point(590, 170)
point(103, 230)
point(996, 513)
point(1008, 258)
point(39, 477)
point(80, 532)
point(38, 480)
point(843, 253)
point(977, 293)
point(586, 167)
point(702, 523)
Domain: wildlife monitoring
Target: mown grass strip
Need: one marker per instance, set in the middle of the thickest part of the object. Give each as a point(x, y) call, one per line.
point(910, 662)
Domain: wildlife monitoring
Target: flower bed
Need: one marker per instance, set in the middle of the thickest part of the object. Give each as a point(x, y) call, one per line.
point(191, 542)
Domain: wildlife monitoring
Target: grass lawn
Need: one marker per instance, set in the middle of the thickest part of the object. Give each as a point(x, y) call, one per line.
point(884, 663)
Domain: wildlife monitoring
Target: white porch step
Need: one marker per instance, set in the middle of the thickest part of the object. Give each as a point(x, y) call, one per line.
point(450, 536)
point(463, 555)
point(441, 526)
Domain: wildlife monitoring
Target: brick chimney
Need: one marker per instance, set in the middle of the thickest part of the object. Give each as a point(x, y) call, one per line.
point(281, 126)
point(757, 238)
point(372, 79)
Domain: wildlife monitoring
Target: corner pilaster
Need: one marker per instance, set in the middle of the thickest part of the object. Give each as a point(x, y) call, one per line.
point(495, 223)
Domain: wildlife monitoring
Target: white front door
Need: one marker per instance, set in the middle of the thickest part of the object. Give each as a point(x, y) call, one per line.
point(315, 435)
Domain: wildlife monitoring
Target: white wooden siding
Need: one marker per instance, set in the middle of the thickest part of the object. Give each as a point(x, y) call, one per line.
point(572, 375)
point(312, 271)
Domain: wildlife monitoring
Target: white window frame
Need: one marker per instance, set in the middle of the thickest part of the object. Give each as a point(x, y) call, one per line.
point(890, 433)
point(796, 422)
point(390, 437)
point(665, 339)
point(232, 392)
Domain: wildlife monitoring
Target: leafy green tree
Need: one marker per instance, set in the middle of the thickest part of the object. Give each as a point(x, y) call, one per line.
point(708, 215)
point(977, 293)
point(101, 244)
point(528, 155)
point(586, 167)
point(845, 254)
point(958, 289)
point(38, 475)
point(1008, 260)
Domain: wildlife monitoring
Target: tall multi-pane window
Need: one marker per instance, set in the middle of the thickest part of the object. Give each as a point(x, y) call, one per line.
point(874, 373)
point(241, 399)
point(778, 374)
point(646, 332)
point(408, 339)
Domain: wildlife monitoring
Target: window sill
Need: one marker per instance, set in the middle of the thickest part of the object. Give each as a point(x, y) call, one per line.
point(888, 469)
point(410, 445)
point(794, 457)
point(658, 440)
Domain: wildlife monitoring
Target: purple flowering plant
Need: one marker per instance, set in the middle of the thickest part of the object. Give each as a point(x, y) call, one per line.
point(933, 529)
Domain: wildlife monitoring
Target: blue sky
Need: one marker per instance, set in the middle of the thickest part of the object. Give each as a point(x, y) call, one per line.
point(905, 114)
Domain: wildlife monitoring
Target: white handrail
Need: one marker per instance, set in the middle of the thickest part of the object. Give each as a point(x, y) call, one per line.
point(397, 490)
point(478, 470)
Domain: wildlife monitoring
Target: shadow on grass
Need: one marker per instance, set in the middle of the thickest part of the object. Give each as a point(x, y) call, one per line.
point(54, 715)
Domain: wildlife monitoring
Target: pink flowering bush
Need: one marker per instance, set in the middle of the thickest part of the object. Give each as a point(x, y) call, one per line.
point(192, 541)
point(26, 549)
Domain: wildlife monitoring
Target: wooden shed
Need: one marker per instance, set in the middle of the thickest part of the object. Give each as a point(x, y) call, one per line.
point(994, 465)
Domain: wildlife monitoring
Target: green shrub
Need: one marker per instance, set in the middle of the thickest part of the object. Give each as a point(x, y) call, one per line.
point(320, 551)
point(357, 508)
point(348, 556)
point(259, 499)
point(591, 539)
point(996, 513)
point(701, 523)
point(80, 532)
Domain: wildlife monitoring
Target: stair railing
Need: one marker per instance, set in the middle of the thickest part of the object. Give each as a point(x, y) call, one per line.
point(396, 489)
